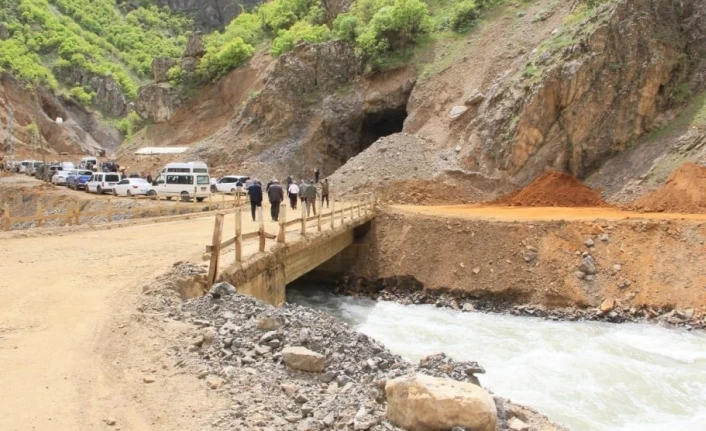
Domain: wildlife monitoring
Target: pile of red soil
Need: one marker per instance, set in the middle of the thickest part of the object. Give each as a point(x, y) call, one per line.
point(554, 189)
point(684, 192)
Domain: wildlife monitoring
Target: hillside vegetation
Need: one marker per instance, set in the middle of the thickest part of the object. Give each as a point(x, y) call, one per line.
point(46, 37)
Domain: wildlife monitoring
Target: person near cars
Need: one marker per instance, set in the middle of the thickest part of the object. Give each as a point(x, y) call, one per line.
point(316, 177)
point(324, 193)
point(276, 195)
point(310, 195)
point(149, 178)
point(293, 192)
point(255, 193)
point(302, 192)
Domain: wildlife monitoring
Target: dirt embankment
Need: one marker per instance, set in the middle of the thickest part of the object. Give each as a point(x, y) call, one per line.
point(684, 192)
point(638, 263)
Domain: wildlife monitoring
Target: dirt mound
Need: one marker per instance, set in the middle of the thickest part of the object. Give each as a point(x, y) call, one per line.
point(554, 189)
point(684, 192)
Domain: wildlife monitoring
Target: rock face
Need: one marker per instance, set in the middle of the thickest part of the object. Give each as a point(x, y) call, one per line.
point(209, 14)
point(194, 46)
point(157, 102)
point(576, 105)
point(424, 403)
point(303, 359)
point(109, 98)
point(160, 67)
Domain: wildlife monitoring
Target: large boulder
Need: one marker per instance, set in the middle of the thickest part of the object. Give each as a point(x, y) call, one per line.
point(157, 102)
point(160, 67)
point(424, 403)
point(194, 46)
point(303, 359)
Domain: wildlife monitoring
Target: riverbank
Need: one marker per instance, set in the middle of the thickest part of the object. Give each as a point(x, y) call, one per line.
point(625, 268)
point(238, 347)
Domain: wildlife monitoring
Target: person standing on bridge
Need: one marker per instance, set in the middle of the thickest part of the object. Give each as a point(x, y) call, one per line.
point(276, 195)
point(316, 176)
point(302, 192)
point(310, 194)
point(293, 191)
point(290, 181)
point(255, 193)
point(324, 193)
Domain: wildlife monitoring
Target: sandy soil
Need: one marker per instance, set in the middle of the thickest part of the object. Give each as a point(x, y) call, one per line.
point(69, 333)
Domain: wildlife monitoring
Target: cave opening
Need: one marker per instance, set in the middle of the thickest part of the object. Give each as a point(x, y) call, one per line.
point(380, 124)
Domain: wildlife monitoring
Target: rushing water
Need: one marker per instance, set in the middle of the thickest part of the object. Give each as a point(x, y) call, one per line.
point(587, 376)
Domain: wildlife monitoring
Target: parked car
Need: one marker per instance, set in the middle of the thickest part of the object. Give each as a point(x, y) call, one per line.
point(60, 177)
point(102, 182)
point(227, 183)
point(78, 179)
point(132, 187)
point(184, 180)
point(32, 167)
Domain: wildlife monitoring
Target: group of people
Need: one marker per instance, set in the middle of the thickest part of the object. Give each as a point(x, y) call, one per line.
point(305, 192)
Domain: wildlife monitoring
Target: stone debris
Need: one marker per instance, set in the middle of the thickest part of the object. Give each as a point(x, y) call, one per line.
point(222, 288)
point(515, 424)
point(457, 111)
point(588, 266)
point(318, 375)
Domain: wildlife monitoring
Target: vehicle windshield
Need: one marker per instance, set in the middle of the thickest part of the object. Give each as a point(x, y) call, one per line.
point(202, 179)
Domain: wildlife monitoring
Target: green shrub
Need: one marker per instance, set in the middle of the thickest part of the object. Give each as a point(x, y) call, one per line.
point(347, 27)
point(130, 124)
point(394, 27)
point(85, 97)
point(465, 13)
point(221, 59)
point(175, 75)
point(286, 40)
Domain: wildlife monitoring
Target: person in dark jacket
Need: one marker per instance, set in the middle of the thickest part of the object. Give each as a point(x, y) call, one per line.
point(310, 194)
point(290, 180)
point(302, 192)
point(316, 176)
point(276, 195)
point(255, 193)
point(324, 194)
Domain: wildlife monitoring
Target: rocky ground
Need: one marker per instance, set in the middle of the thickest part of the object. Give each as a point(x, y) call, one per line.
point(297, 368)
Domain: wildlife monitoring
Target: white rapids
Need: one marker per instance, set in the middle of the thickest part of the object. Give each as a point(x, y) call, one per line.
point(584, 375)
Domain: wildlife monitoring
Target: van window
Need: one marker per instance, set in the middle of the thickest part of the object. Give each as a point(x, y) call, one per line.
point(184, 170)
point(180, 179)
point(112, 177)
point(200, 170)
point(202, 179)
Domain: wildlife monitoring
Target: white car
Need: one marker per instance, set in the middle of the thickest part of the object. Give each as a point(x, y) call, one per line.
point(227, 184)
point(102, 182)
point(131, 187)
point(60, 177)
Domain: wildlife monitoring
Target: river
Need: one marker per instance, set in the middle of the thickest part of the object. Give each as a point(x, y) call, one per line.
point(585, 375)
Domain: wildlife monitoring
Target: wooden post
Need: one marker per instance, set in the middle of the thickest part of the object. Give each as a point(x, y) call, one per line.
point(159, 205)
point(318, 227)
point(303, 230)
point(215, 254)
point(135, 211)
point(343, 210)
point(282, 222)
point(333, 212)
point(77, 212)
point(7, 221)
point(69, 214)
point(238, 235)
point(110, 210)
point(195, 206)
point(38, 217)
point(262, 228)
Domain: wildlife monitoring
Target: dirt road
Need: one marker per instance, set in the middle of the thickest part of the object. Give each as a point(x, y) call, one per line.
point(71, 351)
point(501, 213)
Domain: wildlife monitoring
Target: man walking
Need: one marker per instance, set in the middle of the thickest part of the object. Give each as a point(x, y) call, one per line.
point(255, 193)
point(310, 195)
point(324, 194)
point(290, 181)
point(316, 176)
point(276, 195)
point(293, 191)
point(302, 192)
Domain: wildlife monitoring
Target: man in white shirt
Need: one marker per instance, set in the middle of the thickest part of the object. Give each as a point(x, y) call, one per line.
point(293, 191)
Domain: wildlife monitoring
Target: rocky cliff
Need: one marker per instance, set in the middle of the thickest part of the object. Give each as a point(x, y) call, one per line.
point(209, 14)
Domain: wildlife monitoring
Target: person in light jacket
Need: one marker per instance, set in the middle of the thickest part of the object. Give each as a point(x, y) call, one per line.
point(293, 192)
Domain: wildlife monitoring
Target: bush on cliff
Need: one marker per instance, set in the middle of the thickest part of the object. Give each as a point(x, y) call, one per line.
point(286, 40)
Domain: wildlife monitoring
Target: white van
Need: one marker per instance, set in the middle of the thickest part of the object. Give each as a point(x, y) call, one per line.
point(102, 182)
point(186, 180)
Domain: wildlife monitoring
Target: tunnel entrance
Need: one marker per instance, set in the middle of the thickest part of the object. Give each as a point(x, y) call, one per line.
point(379, 124)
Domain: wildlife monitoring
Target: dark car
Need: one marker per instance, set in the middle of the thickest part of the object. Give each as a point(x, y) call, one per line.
point(79, 180)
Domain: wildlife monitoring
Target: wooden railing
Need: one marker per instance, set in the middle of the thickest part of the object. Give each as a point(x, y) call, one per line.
point(74, 215)
point(355, 207)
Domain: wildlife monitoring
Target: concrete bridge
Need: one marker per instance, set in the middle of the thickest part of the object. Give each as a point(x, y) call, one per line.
point(264, 268)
